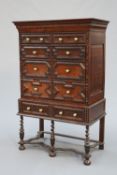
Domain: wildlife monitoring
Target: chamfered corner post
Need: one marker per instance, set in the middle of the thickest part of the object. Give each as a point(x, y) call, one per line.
point(101, 132)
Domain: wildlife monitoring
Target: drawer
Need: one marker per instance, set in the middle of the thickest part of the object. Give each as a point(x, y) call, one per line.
point(33, 108)
point(69, 114)
point(69, 92)
point(34, 52)
point(35, 38)
point(36, 68)
point(69, 70)
point(36, 88)
point(69, 38)
point(69, 52)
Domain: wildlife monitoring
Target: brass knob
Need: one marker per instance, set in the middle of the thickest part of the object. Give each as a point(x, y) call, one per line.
point(28, 108)
point(60, 112)
point(35, 88)
point(76, 39)
point(27, 39)
point(40, 110)
point(41, 39)
point(67, 70)
point(67, 52)
point(60, 39)
point(35, 68)
point(34, 52)
point(75, 114)
point(67, 91)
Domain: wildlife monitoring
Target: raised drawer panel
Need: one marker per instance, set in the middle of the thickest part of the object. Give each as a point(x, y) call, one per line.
point(35, 52)
point(70, 70)
point(69, 38)
point(36, 89)
point(69, 52)
point(36, 68)
point(69, 114)
point(72, 92)
point(35, 38)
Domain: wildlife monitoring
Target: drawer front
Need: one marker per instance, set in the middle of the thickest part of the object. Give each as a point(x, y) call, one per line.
point(36, 68)
point(69, 52)
point(36, 89)
point(35, 52)
point(69, 38)
point(69, 114)
point(70, 70)
point(35, 38)
point(69, 92)
point(34, 109)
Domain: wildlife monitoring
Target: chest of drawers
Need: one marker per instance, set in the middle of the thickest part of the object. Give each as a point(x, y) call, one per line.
point(62, 72)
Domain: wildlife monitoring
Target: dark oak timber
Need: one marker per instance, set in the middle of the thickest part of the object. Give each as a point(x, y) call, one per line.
point(62, 76)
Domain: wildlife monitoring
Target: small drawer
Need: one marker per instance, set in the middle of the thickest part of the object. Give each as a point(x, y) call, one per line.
point(36, 89)
point(35, 68)
point(69, 38)
point(69, 92)
point(35, 38)
point(34, 52)
point(69, 114)
point(33, 108)
point(70, 70)
point(69, 52)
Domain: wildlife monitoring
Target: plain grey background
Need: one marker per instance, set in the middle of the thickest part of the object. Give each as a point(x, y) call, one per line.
point(35, 160)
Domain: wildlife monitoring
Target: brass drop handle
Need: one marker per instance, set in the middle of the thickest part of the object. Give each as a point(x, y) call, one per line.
point(28, 108)
point(41, 39)
point(34, 52)
point(60, 112)
point(67, 91)
point(40, 110)
point(75, 38)
point(75, 114)
point(35, 89)
point(60, 39)
point(67, 70)
point(27, 39)
point(67, 52)
point(35, 68)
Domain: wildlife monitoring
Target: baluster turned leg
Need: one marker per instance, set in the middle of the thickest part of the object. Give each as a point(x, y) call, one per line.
point(87, 148)
point(21, 147)
point(52, 141)
point(101, 132)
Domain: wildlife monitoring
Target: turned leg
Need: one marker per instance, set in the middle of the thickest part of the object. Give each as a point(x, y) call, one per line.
point(87, 148)
point(52, 141)
point(21, 134)
point(41, 127)
point(101, 132)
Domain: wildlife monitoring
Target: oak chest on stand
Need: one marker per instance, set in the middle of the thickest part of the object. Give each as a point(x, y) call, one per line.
point(62, 76)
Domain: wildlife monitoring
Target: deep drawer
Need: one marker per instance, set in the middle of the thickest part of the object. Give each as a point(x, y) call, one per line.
point(35, 89)
point(35, 68)
point(69, 70)
point(33, 108)
point(69, 114)
point(69, 92)
point(34, 52)
point(69, 52)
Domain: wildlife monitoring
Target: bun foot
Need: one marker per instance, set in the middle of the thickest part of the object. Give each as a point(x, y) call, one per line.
point(101, 147)
point(52, 154)
point(87, 162)
point(22, 147)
